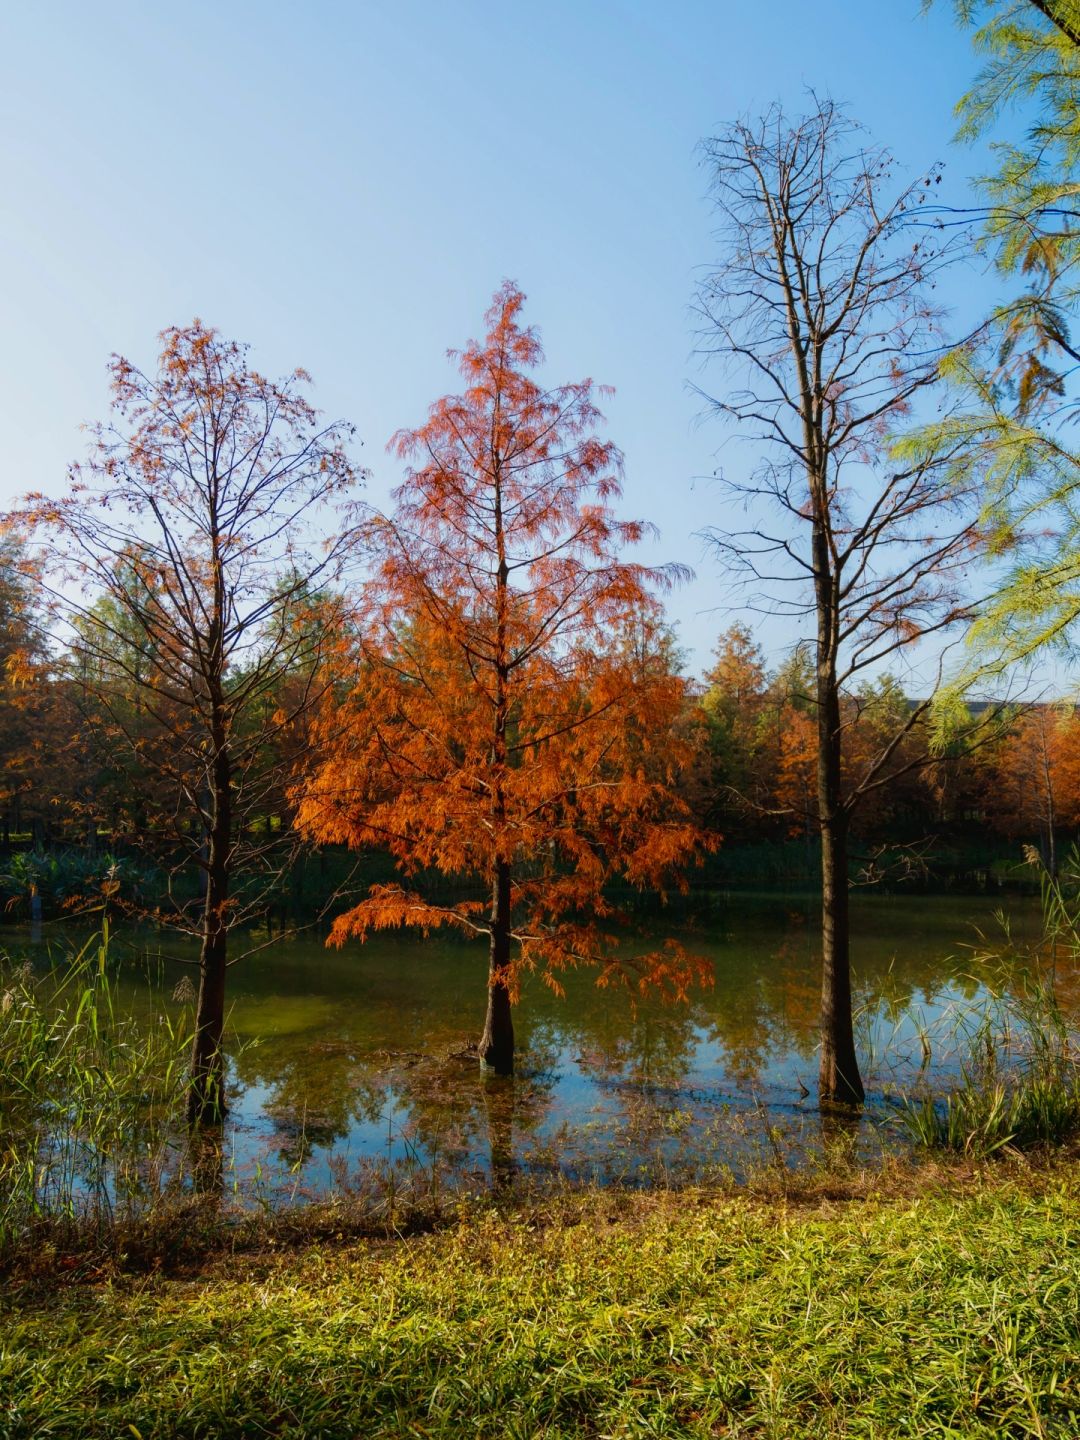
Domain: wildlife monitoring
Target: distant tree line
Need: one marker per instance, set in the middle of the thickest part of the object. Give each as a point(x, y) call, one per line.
point(744, 737)
point(753, 773)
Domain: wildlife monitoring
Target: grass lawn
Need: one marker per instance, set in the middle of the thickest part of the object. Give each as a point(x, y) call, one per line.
point(950, 1314)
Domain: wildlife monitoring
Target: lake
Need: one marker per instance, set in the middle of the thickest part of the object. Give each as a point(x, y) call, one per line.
point(345, 1062)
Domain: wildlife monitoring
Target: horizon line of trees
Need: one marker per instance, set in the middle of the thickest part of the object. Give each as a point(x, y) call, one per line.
point(745, 732)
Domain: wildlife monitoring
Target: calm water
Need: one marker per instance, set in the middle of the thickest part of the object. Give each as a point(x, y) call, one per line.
point(345, 1060)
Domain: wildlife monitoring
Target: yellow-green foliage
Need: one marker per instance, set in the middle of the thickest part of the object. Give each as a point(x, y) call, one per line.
point(683, 1316)
point(1014, 382)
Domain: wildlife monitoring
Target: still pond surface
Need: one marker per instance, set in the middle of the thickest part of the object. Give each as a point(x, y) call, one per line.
point(345, 1061)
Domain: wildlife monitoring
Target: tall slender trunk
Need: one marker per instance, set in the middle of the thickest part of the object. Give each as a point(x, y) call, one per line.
point(206, 1094)
point(497, 1040)
point(839, 1081)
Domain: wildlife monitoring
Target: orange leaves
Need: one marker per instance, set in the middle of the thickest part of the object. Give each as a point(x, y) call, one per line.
point(195, 560)
point(513, 706)
point(796, 779)
point(204, 464)
point(21, 667)
point(1036, 772)
point(389, 906)
point(1065, 765)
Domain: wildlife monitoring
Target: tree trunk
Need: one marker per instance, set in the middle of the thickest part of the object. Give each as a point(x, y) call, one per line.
point(206, 1098)
point(839, 1081)
point(497, 1041)
point(206, 1094)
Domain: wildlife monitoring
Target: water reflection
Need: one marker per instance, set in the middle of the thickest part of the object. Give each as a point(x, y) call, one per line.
point(206, 1162)
point(359, 1058)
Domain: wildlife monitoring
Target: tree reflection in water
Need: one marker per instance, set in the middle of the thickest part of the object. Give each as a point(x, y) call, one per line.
point(605, 1088)
point(206, 1162)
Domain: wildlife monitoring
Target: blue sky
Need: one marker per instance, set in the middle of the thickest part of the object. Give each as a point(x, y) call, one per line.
point(345, 185)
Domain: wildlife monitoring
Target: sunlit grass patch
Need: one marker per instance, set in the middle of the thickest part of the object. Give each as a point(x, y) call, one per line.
point(674, 1315)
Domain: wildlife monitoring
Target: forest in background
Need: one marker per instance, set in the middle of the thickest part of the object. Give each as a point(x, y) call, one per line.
point(75, 807)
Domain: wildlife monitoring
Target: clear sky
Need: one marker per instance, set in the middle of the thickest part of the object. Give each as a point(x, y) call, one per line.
point(345, 185)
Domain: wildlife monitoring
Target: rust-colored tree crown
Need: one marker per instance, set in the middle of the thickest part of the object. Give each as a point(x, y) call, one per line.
point(506, 721)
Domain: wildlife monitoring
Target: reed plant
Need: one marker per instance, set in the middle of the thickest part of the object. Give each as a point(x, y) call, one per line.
point(1017, 1053)
point(91, 1098)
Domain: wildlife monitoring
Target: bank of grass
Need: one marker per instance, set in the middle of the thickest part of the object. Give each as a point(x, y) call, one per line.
point(954, 1313)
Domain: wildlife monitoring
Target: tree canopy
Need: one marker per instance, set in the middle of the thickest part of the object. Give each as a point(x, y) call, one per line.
point(507, 731)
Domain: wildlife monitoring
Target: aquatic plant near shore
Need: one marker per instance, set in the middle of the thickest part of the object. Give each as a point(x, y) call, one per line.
point(1019, 1058)
point(91, 1099)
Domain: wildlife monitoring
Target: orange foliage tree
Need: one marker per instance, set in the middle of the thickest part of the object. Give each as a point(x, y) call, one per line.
point(504, 729)
point(737, 752)
point(1036, 777)
point(796, 771)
